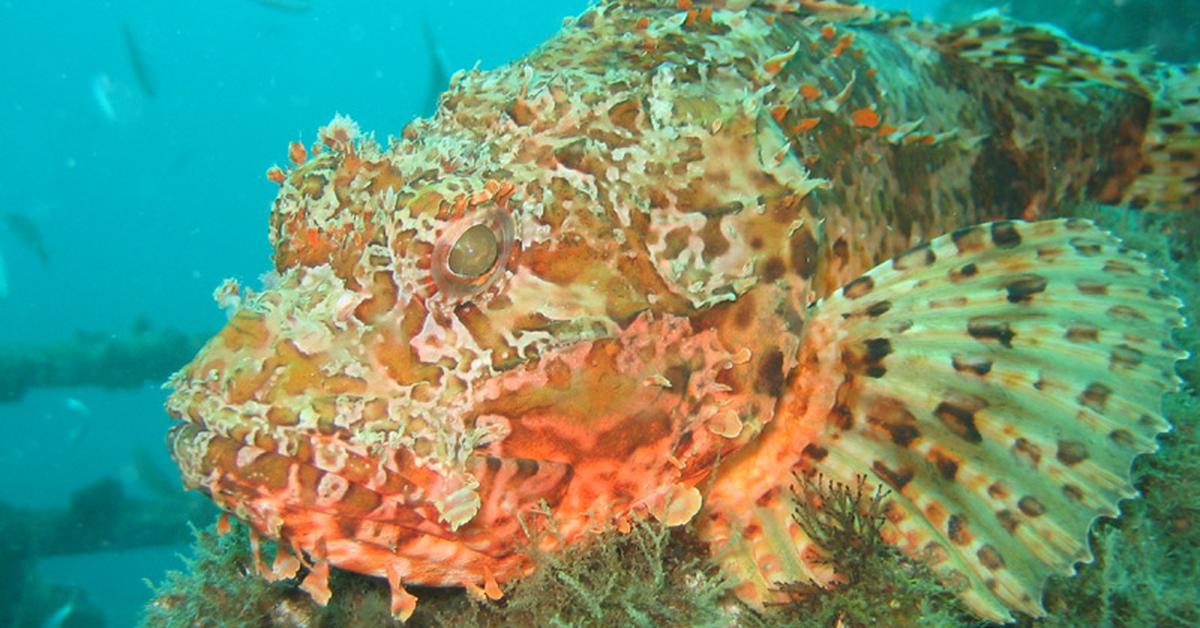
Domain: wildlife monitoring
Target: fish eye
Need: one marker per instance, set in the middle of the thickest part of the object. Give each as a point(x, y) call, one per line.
point(474, 253)
point(469, 254)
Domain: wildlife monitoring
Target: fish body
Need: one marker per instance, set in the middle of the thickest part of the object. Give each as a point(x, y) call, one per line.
point(679, 254)
point(3, 277)
point(439, 75)
point(286, 6)
point(28, 234)
point(59, 618)
point(137, 63)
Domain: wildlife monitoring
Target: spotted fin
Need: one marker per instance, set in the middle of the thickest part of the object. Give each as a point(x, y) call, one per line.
point(1168, 176)
point(1000, 380)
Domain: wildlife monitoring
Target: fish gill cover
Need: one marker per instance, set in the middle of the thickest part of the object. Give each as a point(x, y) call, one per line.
point(783, 286)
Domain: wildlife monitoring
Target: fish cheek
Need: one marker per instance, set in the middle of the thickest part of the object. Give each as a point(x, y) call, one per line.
point(585, 412)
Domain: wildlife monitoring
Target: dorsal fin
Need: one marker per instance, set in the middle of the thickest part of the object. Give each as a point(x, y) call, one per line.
point(1168, 178)
point(828, 10)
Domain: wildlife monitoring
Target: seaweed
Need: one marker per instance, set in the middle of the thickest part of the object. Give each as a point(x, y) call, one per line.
point(844, 522)
point(218, 586)
point(649, 577)
point(881, 586)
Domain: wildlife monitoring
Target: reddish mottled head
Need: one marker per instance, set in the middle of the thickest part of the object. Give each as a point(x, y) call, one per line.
point(547, 303)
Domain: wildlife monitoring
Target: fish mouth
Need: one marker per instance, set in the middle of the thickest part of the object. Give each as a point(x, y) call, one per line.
point(314, 490)
point(344, 523)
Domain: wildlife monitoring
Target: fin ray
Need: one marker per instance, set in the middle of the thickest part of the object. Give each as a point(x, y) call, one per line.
point(1000, 380)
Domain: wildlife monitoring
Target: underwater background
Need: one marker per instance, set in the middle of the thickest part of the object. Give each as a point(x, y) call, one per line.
point(135, 137)
point(146, 191)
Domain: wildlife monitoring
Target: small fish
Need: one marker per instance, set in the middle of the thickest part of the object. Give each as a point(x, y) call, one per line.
point(152, 476)
point(28, 234)
point(81, 416)
point(686, 250)
point(286, 6)
point(102, 95)
point(439, 76)
point(137, 62)
point(78, 407)
point(3, 276)
point(59, 618)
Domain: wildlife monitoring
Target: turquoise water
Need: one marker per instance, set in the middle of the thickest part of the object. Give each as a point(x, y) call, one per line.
point(135, 141)
point(146, 197)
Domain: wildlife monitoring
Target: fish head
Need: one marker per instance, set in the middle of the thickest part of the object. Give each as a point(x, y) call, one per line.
point(517, 308)
point(453, 353)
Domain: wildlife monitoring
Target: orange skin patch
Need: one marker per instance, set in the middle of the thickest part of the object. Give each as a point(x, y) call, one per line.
point(297, 153)
point(843, 45)
point(779, 113)
point(865, 117)
point(806, 124)
point(775, 64)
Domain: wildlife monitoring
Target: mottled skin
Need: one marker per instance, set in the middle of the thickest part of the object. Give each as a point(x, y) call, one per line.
point(661, 225)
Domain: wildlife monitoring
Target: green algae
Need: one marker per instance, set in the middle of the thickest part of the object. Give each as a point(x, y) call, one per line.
point(882, 586)
point(651, 576)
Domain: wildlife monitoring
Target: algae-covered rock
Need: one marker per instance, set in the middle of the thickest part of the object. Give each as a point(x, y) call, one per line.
point(649, 577)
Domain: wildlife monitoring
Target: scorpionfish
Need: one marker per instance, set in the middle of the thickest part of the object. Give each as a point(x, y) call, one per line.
point(685, 253)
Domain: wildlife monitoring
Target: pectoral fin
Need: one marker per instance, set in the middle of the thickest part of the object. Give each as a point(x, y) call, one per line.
point(999, 380)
